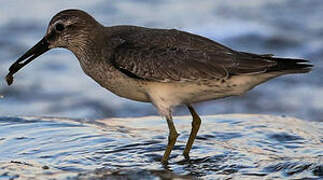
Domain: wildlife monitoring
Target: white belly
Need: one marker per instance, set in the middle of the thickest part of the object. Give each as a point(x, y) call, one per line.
point(167, 95)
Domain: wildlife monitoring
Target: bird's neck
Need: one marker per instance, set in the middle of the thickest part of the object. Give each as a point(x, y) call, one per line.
point(97, 48)
point(89, 47)
point(95, 59)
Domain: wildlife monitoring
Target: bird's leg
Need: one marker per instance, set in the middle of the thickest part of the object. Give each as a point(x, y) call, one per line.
point(171, 138)
point(195, 128)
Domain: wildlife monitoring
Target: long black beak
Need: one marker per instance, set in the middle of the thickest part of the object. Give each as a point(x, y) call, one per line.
point(40, 48)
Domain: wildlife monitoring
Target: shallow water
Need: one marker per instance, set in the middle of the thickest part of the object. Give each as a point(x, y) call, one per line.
point(228, 146)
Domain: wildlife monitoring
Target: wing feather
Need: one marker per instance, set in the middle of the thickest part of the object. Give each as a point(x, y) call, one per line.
point(172, 55)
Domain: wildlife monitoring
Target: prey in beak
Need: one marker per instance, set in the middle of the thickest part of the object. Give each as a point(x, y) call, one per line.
point(40, 48)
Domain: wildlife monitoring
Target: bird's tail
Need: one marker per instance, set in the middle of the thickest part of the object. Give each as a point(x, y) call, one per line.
point(290, 65)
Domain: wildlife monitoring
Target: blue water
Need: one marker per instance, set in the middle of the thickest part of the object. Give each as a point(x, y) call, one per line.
point(241, 146)
point(236, 146)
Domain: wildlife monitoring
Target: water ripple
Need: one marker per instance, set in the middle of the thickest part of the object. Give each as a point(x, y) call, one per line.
point(228, 146)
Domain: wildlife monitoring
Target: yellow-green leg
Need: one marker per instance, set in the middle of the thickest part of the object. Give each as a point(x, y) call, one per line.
point(195, 128)
point(171, 139)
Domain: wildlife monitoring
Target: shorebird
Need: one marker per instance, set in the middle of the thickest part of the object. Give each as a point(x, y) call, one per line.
point(166, 67)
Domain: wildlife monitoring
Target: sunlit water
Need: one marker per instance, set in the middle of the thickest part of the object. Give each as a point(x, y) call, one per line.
point(228, 146)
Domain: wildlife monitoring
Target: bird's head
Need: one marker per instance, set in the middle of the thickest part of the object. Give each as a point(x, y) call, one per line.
point(71, 29)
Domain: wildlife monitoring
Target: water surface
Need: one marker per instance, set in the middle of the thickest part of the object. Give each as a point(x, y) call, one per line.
point(228, 146)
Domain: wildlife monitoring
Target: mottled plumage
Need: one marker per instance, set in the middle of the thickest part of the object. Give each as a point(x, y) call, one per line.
point(172, 55)
point(161, 66)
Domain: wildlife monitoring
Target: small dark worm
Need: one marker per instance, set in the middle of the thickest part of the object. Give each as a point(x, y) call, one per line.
point(9, 79)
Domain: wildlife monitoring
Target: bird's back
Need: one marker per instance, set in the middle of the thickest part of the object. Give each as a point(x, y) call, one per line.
point(175, 56)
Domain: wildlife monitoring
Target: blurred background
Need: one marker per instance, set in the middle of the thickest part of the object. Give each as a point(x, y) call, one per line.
point(54, 84)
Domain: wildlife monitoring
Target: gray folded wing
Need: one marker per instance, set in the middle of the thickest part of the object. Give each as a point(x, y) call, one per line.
point(171, 55)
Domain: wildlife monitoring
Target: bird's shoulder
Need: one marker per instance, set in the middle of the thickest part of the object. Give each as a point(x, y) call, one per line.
point(165, 38)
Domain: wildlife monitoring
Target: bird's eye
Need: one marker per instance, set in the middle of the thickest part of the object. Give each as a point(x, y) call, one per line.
point(59, 27)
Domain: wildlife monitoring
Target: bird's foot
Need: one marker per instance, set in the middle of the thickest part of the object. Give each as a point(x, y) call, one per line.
point(186, 156)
